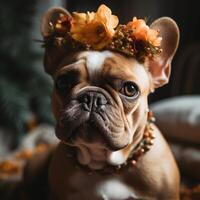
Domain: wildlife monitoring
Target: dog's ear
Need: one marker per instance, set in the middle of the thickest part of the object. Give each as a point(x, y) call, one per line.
point(160, 66)
point(53, 54)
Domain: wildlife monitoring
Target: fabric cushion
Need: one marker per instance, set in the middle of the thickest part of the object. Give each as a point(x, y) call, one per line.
point(179, 118)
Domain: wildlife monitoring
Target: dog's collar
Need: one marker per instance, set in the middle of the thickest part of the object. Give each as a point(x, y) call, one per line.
point(145, 143)
point(140, 149)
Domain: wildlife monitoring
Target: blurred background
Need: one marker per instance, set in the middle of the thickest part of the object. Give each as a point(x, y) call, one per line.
point(25, 89)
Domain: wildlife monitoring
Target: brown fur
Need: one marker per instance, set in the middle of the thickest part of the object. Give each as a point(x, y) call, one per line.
point(156, 175)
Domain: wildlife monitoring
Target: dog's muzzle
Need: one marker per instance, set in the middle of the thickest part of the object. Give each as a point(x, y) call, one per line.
point(92, 115)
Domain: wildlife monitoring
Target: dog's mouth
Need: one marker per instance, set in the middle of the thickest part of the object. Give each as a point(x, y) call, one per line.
point(94, 127)
point(88, 132)
point(91, 129)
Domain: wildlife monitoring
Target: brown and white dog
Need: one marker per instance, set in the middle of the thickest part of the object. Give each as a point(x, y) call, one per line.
point(100, 105)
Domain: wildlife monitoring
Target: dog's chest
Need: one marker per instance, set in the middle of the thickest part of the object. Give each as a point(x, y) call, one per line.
point(94, 186)
point(71, 182)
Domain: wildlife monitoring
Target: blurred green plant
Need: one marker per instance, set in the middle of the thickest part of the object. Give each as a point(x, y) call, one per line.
point(24, 88)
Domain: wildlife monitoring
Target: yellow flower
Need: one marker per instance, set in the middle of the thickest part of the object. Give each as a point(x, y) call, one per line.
point(94, 29)
point(142, 32)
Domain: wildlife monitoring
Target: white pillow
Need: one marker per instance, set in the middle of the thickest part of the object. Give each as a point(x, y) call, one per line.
point(179, 117)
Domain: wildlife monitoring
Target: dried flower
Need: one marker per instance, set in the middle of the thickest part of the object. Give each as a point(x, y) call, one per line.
point(100, 30)
point(140, 31)
point(95, 29)
point(63, 24)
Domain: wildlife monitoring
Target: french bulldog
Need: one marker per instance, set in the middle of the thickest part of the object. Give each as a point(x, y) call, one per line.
point(100, 103)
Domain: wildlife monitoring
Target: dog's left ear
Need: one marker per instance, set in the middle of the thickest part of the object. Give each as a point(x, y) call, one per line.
point(50, 17)
point(160, 66)
point(53, 54)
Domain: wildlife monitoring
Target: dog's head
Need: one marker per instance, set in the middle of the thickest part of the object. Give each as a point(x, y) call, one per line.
point(100, 97)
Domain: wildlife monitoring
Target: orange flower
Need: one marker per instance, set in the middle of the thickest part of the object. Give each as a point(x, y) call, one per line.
point(95, 29)
point(142, 32)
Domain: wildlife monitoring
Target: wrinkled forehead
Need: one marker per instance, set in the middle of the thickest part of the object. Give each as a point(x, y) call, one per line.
point(101, 64)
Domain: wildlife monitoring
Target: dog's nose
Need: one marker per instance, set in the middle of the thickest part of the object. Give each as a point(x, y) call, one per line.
point(92, 100)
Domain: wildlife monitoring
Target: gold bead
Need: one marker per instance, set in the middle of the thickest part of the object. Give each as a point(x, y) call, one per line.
point(152, 119)
point(146, 134)
point(153, 135)
point(134, 162)
point(142, 151)
point(151, 142)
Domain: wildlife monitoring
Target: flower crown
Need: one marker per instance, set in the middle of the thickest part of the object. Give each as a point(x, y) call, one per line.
point(101, 31)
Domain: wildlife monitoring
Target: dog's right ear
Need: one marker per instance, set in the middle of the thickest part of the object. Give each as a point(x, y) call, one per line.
point(53, 54)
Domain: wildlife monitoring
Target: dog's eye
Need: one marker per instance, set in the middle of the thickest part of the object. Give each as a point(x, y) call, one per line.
point(62, 83)
point(67, 81)
point(130, 89)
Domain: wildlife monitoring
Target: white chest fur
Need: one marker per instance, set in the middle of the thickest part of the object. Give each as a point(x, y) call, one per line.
point(115, 189)
point(94, 187)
